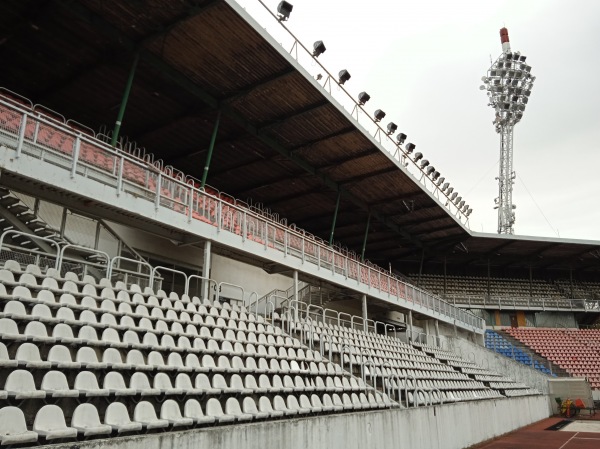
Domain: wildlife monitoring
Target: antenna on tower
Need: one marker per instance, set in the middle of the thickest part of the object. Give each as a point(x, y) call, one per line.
point(508, 83)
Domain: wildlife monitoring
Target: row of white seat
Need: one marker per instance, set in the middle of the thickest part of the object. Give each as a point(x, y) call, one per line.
point(149, 307)
point(50, 423)
point(28, 354)
point(20, 384)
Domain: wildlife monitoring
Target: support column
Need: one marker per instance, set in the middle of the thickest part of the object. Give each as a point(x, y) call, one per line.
point(410, 326)
point(124, 100)
point(296, 295)
point(364, 245)
point(211, 147)
point(206, 268)
point(364, 312)
point(335, 214)
point(437, 332)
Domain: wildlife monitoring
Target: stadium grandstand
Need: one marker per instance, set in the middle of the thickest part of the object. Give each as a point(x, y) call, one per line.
point(239, 263)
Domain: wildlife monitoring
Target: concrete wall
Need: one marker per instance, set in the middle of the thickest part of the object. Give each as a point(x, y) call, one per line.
point(250, 277)
point(453, 426)
point(496, 362)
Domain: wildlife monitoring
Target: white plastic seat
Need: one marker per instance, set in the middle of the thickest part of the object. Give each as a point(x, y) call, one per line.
point(87, 383)
point(193, 410)
point(13, 428)
point(305, 404)
point(249, 407)
point(292, 404)
point(140, 383)
point(317, 404)
point(112, 358)
point(87, 421)
point(214, 409)
point(87, 357)
point(115, 384)
point(280, 405)
point(15, 310)
point(55, 384)
point(184, 383)
point(171, 412)
point(232, 408)
point(9, 330)
point(5, 360)
point(50, 423)
point(145, 414)
point(202, 382)
point(20, 385)
point(163, 383)
point(117, 417)
point(28, 355)
point(265, 406)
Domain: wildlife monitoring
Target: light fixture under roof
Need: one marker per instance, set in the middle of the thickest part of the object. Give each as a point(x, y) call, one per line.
point(379, 115)
point(284, 9)
point(401, 138)
point(410, 148)
point(363, 97)
point(391, 128)
point(318, 49)
point(344, 76)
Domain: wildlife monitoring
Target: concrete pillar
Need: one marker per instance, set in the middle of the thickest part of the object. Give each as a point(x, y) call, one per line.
point(206, 267)
point(410, 326)
point(364, 312)
point(437, 332)
point(296, 294)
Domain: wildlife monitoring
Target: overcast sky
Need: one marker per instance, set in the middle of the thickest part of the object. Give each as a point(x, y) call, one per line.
point(422, 62)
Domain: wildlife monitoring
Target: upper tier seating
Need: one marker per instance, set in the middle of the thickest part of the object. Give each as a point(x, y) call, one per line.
point(576, 351)
point(506, 291)
point(44, 133)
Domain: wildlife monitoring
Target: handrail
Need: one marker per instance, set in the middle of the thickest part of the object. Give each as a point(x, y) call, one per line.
point(236, 287)
point(119, 258)
point(203, 279)
point(82, 248)
point(45, 239)
point(172, 270)
point(377, 277)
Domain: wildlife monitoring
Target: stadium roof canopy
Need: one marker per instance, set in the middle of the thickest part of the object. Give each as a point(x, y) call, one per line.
point(281, 140)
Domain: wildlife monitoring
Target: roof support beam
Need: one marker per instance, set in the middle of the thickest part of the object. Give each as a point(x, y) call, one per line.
point(295, 115)
point(349, 158)
point(293, 196)
point(264, 82)
point(333, 135)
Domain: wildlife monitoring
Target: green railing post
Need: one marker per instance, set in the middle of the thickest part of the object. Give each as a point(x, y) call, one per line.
point(115, 135)
point(364, 245)
point(335, 214)
point(213, 139)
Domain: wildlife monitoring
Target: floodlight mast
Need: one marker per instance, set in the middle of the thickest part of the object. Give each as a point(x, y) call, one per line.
point(508, 83)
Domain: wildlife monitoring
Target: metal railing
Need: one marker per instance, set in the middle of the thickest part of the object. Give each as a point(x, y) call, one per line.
point(83, 155)
point(528, 302)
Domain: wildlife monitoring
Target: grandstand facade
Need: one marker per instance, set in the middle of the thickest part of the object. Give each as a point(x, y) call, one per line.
point(318, 291)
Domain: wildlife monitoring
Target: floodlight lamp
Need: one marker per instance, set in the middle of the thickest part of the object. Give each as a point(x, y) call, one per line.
point(410, 148)
point(401, 138)
point(363, 97)
point(344, 76)
point(454, 195)
point(318, 49)
point(391, 128)
point(461, 204)
point(424, 163)
point(458, 200)
point(445, 186)
point(440, 181)
point(435, 175)
point(284, 9)
point(417, 156)
point(522, 58)
point(469, 212)
point(466, 208)
point(379, 115)
point(430, 170)
point(450, 190)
